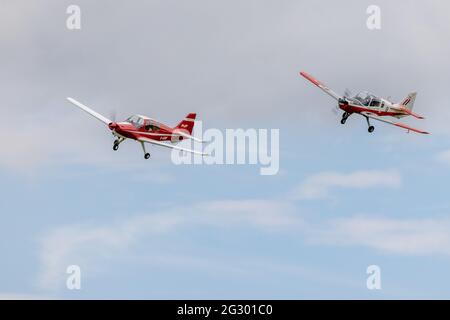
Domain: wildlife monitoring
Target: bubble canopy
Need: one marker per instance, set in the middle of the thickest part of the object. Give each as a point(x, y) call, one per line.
point(365, 98)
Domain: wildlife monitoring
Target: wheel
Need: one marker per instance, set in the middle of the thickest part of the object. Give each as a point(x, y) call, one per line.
point(147, 155)
point(343, 120)
point(371, 128)
point(116, 146)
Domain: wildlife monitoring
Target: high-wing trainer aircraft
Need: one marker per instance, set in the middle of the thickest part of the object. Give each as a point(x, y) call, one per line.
point(371, 107)
point(147, 130)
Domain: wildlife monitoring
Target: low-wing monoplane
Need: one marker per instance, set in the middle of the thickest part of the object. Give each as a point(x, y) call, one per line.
point(147, 130)
point(371, 106)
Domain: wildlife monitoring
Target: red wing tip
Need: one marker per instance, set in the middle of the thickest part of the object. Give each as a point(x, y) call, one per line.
point(310, 78)
point(305, 74)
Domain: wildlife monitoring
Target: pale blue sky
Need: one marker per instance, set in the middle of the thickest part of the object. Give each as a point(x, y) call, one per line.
point(150, 229)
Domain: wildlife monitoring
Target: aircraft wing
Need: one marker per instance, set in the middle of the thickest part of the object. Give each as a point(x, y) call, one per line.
point(398, 124)
point(321, 86)
point(162, 144)
point(90, 111)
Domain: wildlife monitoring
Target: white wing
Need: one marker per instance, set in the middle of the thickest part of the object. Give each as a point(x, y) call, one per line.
point(90, 111)
point(321, 86)
point(162, 144)
point(398, 124)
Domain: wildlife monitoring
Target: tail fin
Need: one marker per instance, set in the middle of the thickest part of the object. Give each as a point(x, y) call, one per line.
point(188, 123)
point(408, 102)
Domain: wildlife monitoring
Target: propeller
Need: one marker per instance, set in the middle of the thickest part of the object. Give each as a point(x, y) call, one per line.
point(347, 93)
point(336, 110)
point(112, 117)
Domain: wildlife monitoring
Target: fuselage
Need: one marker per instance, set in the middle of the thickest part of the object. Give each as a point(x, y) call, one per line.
point(382, 108)
point(145, 128)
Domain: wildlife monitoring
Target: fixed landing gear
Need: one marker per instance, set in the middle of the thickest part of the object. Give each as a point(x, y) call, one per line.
point(345, 116)
point(146, 154)
point(117, 142)
point(371, 128)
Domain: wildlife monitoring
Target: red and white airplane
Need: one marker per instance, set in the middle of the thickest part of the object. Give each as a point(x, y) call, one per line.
point(147, 130)
point(371, 107)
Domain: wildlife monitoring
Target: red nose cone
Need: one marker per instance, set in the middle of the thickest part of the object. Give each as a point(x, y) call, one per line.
point(112, 126)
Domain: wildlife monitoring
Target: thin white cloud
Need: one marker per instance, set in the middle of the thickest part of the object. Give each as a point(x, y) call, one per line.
point(91, 246)
point(81, 244)
point(398, 236)
point(319, 185)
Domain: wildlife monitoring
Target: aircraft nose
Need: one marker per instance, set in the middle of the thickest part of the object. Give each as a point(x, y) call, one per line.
point(113, 126)
point(342, 101)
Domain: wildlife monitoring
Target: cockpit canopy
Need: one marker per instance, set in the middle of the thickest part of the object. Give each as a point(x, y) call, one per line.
point(140, 121)
point(136, 121)
point(367, 99)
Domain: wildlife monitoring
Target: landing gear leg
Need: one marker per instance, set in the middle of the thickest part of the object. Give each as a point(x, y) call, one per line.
point(371, 128)
point(146, 154)
point(345, 116)
point(117, 142)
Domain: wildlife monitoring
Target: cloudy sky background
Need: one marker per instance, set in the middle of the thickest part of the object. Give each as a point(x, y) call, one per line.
point(343, 199)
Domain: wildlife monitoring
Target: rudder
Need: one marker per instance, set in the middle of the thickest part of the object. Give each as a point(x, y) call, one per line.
point(408, 102)
point(187, 123)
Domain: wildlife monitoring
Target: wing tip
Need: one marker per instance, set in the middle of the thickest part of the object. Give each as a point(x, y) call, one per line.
point(310, 78)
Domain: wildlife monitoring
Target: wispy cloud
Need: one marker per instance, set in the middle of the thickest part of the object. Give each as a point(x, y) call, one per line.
point(81, 244)
point(398, 236)
point(91, 246)
point(319, 185)
point(87, 244)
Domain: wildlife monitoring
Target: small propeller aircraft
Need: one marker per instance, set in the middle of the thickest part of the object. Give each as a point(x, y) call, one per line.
point(147, 130)
point(371, 107)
